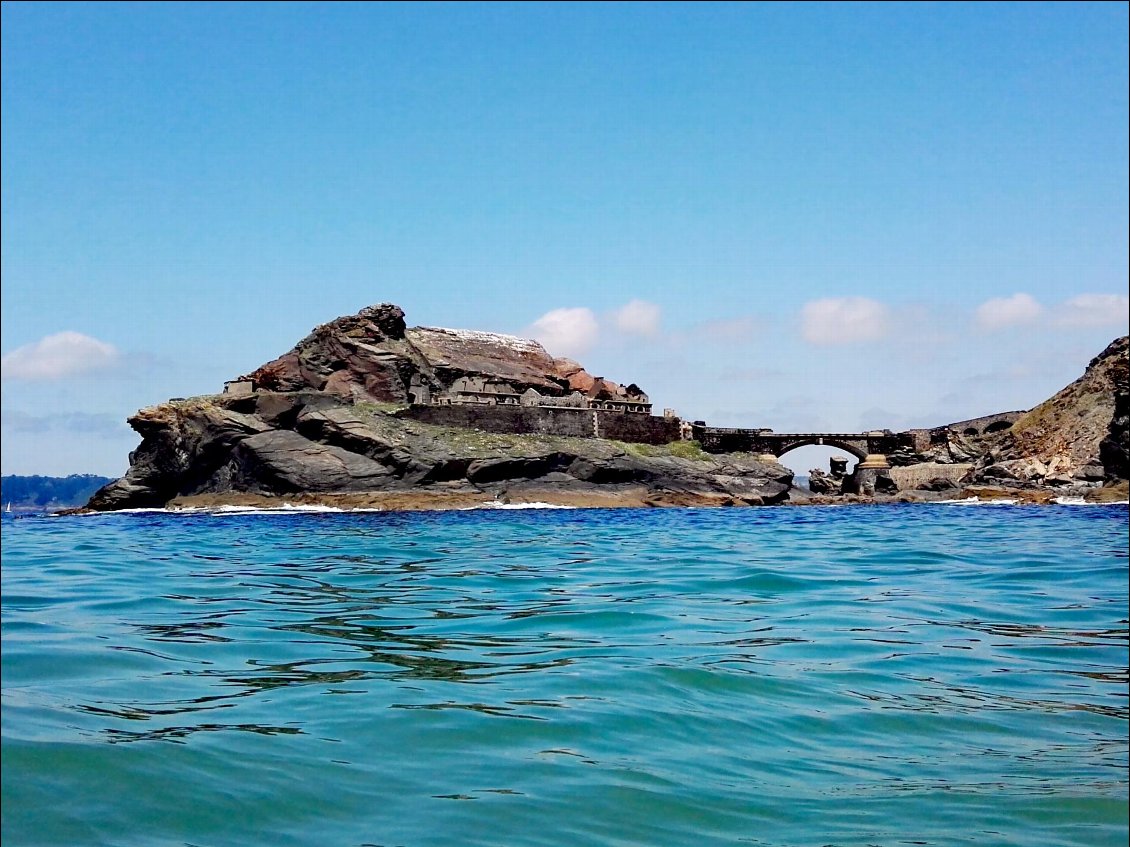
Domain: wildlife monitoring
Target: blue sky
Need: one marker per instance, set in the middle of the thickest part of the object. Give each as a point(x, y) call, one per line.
point(805, 217)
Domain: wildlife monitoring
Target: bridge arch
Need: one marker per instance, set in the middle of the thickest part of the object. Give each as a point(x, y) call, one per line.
point(810, 457)
point(858, 449)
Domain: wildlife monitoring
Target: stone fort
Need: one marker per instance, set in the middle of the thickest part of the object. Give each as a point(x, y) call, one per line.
point(505, 384)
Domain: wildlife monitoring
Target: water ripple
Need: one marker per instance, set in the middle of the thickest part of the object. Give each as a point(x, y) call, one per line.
point(848, 676)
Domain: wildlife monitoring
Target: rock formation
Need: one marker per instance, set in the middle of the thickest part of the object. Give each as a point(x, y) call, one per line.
point(374, 356)
point(325, 420)
point(366, 411)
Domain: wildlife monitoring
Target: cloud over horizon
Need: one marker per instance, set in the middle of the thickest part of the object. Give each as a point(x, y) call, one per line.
point(1087, 310)
point(1003, 312)
point(844, 320)
point(1093, 310)
point(638, 317)
point(566, 332)
point(573, 331)
point(59, 356)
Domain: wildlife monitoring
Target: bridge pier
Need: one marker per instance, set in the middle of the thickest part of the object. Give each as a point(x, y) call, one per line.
point(868, 471)
point(870, 448)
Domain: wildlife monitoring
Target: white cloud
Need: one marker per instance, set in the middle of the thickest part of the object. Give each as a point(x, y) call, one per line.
point(566, 332)
point(59, 356)
point(1001, 312)
point(637, 317)
point(1087, 310)
point(844, 320)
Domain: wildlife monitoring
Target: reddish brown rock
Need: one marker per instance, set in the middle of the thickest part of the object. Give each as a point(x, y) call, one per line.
point(373, 356)
point(447, 354)
point(575, 376)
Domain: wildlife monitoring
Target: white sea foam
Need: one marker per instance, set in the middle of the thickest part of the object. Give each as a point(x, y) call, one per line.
point(977, 501)
point(1061, 501)
point(140, 511)
point(1079, 501)
point(282, 508)
point(289, 507)
point(498, 504)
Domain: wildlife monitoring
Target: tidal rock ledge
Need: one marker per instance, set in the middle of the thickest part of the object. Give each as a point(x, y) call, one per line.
point(202, 450)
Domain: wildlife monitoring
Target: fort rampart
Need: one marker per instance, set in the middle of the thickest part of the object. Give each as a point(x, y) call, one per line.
point(636, 429)
point(542, 420)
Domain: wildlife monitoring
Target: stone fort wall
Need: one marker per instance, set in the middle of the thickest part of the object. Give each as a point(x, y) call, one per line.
point(539, 420)
point(716, 439)
point(636, 428)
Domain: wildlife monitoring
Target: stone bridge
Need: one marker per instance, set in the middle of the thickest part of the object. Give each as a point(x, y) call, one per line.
point(862, 445)
point(870, 448)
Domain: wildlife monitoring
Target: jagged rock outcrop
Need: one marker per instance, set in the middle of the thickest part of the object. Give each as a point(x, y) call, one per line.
point(1078, 435)
point(821, 483)
point(203, 447)
point(322, 421)
point(956, 448)
point(374, 356)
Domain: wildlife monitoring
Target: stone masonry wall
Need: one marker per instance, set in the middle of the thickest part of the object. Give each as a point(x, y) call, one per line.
point(506, 419)
point(636, 428)
point(578, 423)
point(722, 440)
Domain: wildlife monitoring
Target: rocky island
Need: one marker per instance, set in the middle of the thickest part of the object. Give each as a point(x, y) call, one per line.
point(367, 412)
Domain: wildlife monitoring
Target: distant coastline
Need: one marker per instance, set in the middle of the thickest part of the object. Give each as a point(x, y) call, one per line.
point(37, 493)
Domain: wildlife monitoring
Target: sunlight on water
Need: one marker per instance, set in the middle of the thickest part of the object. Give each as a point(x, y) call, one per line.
point(850, 676)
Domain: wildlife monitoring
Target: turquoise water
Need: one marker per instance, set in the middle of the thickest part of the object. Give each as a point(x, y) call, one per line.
point(935, 675)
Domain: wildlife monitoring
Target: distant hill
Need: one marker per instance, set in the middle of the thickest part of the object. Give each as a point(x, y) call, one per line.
point(49, 492)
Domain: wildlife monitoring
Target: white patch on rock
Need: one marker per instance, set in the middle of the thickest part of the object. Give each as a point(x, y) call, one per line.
point(493, 339)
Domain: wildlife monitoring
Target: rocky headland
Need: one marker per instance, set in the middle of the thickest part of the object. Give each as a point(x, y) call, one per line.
point(367, 412)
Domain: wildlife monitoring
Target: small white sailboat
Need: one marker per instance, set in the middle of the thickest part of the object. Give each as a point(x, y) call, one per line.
point(8, 508)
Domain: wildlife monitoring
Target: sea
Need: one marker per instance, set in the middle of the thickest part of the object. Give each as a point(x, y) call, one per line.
point(915, 674)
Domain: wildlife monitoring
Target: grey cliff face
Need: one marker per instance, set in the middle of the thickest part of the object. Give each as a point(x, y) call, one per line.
point(202, 447)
